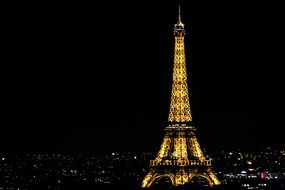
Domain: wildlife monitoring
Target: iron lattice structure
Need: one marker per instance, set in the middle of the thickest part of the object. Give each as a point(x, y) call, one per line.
point(180, 157)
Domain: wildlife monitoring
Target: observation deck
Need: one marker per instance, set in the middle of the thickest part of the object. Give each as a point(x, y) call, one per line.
point(180, 163)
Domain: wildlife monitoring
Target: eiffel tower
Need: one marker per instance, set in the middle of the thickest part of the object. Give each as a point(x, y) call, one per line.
point(180, 157)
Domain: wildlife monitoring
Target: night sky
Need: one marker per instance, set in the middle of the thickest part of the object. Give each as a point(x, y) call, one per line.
point(94, 76)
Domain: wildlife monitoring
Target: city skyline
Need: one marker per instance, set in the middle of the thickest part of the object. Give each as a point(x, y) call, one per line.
point(83, 80)
point(236, 169)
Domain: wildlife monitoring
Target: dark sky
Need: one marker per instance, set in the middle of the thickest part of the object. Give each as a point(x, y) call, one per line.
point(94, 76)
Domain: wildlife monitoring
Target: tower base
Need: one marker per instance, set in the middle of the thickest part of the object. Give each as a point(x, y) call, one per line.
point(179, 176)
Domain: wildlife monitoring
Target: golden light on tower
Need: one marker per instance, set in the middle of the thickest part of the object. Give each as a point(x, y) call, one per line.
point(180, 157)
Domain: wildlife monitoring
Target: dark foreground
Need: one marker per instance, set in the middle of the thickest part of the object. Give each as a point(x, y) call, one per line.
point(135, 186)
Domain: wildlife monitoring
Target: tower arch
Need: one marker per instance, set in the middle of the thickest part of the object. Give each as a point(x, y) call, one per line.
point(204, 176)
point(164, 177)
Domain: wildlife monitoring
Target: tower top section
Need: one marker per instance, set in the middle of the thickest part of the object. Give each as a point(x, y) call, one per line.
point(179, 26)
point(179, 105)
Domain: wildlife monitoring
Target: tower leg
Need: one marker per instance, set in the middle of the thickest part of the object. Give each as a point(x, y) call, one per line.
point(148, 179)
point(213, 178)
point(207, 174)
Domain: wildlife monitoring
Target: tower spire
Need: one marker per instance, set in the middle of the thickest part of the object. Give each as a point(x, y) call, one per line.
point(179, 22)
point(179, 14)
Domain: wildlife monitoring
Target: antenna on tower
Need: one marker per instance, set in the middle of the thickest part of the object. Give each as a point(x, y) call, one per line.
point(179, 14)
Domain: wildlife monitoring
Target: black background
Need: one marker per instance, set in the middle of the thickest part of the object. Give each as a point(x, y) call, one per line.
point(96, 76)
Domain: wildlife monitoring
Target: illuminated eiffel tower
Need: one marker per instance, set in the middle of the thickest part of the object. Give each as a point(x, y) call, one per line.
point(180, 157)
